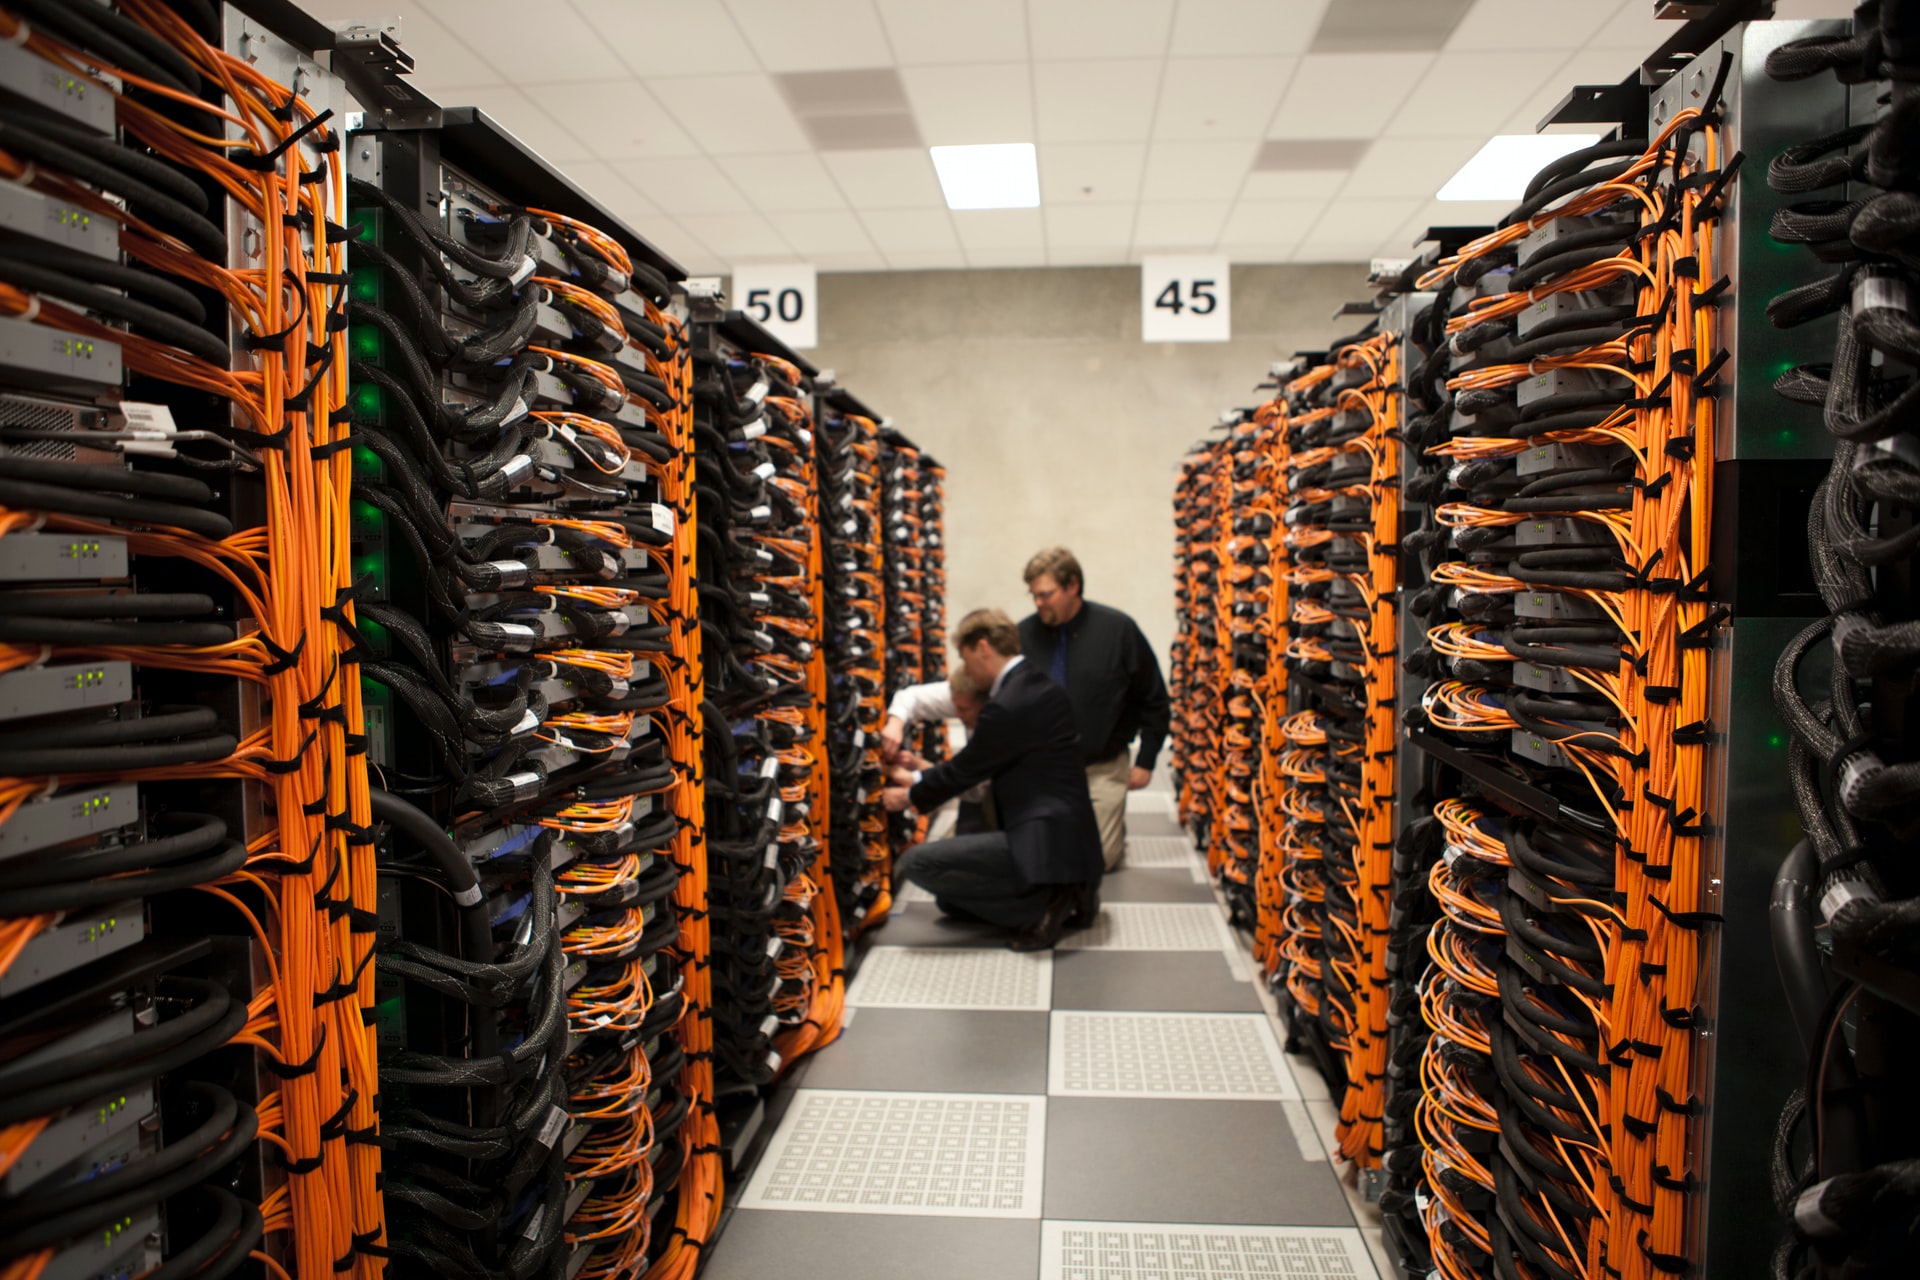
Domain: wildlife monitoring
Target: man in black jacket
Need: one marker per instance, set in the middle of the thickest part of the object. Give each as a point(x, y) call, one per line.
point(1108, 669)
point(1040, 872)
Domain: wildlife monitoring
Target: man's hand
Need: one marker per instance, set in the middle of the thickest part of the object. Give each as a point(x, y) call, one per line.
point(891, 735)
point(894, 799)
point(899, 775)
point(1138, 778)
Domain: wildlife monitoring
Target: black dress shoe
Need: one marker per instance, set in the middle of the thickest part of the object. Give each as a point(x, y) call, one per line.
point(1044, 932)
point(1086, 907)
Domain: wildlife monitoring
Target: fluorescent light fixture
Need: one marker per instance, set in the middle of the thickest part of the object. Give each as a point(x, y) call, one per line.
point(1501, 169)
point(1000, 175)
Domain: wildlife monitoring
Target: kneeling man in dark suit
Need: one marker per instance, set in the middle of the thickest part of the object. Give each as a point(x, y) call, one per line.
point(1040, 873)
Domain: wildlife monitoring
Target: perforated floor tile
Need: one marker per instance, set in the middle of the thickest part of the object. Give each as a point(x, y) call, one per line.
point(1161, 1251)
point(1158, 851)
point(1153, 926)
point(954, 978)
point(929, 1154)
point(1165, 1055)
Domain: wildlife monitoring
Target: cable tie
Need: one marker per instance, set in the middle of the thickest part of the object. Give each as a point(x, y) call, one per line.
point(284, 659)
point(322, 452)
point(1672, 1264)
point(1697, 734)
point(294, 1072)
point(292, 763)
point(1689, 920)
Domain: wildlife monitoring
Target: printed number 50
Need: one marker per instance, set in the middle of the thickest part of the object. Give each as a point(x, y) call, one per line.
point(789, 306)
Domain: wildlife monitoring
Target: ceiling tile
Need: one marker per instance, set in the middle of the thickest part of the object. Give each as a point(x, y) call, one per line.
point(615, 119)
point(1111, 29)
point(1244, 26)
point(977, 31)
point(1354, 221)
point(1309, 155)
point(739, 236)
point(1196, 170)
point(1075, 256)
point(523, 119)
point(732, 115)
point(963, 105)
point(927, 260)
point(867, 260)
point(1305, 185)
point(1634, 27)
point(986, 229)
point(863, 133)
point(683, 185)
point(1209, 98)
point(1468, 93)
point(819, 35)
point(1377, 26)
point(1104, 226)
point(989, 259)
point(1095, 101)
point(1346, 95)
point(1529, 24)
point(821, 232)
point(1271, 221)
point(1257, 252)
point(497, 30)
point(439, 57)
point(1325, 251)
point(1409, 166)
point(1187, 225)
point(861, 91)
point(910, 230)
point(669, 37)
point(1090, 172)
point(605, 184)
point(784, 182)
point(675, 241)
point(886, 179)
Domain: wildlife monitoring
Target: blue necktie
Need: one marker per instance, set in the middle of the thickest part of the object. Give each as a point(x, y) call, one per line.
point(1058, 670)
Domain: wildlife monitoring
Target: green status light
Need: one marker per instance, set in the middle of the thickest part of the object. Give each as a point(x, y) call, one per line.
point(368, 516)
point(1776, 740)
point(365, 341)
point(367, 402)
point(364, 285)
point(367, 464)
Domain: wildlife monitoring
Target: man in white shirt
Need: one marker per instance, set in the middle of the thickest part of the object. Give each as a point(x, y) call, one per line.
point(958, 697)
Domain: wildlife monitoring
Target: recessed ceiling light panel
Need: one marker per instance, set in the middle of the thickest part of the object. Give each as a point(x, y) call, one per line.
point(1000, 175)
point(1501, 169)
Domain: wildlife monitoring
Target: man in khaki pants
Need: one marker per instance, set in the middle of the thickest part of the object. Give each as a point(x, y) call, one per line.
point(1112, 678)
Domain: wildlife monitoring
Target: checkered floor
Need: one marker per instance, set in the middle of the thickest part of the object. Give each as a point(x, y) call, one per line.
point(1119, 1109)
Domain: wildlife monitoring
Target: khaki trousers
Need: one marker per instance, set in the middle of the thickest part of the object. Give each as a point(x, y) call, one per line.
point(1107, 782)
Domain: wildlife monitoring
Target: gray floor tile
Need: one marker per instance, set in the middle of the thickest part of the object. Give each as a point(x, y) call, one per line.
point(1173, 981)
point(1153, 884)
point(763, 1242)
point(924, 926)
point(1132, 1160)
point(1153, 824)
point(936, 1051)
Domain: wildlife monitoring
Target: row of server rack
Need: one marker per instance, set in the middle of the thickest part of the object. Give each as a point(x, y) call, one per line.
point(442, 666)
point(1544, 679)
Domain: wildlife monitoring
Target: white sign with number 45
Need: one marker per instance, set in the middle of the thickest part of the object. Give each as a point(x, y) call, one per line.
point(1185, 299)
point(783, 297)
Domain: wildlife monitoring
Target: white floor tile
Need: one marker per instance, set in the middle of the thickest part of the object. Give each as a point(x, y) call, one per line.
point(1165, 1055)
point(925, 1154)
point(953, 978)
point(1159, 851)
point(1149, 1251)
point(1153, 926)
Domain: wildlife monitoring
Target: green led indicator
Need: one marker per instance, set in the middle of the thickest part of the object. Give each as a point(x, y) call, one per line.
point(366, 515)
point(364, 285)
point(367, 402)
point(365, 341)
point(367, 464)
point(1776, 740)
point(370, 566)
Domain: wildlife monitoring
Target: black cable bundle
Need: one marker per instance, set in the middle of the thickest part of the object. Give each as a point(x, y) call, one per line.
point(1854, 751)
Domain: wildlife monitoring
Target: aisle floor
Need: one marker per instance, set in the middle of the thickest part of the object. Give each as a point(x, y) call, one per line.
point(1119, 1109)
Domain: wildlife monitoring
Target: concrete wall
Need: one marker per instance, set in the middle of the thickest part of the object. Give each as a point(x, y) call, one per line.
point(1055, 422)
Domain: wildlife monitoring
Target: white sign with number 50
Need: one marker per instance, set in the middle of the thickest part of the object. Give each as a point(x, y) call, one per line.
point(1185, 299)
point(783, 297)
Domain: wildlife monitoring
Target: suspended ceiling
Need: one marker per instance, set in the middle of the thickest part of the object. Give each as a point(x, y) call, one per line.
point(734, 131)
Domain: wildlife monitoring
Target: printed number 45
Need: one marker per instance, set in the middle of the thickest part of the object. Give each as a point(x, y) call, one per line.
point(1200, 298)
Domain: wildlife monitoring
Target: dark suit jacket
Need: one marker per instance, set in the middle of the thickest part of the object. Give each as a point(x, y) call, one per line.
point(1026, 743)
